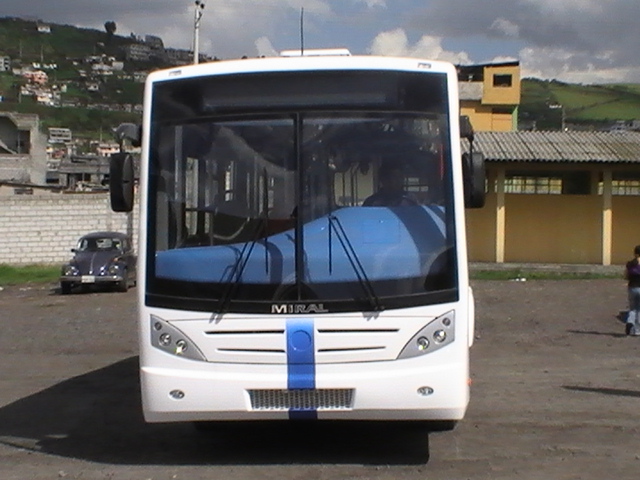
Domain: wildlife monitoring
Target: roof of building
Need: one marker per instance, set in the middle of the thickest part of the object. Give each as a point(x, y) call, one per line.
point(475, 73)
point(568, 146)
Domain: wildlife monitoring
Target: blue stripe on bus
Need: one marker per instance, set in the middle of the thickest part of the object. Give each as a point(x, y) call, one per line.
point(301, 368)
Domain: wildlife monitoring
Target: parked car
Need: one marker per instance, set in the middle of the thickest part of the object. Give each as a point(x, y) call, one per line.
point(100, 258)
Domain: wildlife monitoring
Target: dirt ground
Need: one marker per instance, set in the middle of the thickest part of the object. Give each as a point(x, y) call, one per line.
point(555, 395)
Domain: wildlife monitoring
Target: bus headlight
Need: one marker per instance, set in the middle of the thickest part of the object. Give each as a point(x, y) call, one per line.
point(422, 343)
point(440, 336)
point(435, 335)
point(170, 339)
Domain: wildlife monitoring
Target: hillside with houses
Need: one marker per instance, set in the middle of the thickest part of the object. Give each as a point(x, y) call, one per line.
point(67, 74)
point(65, 66)
point(62, 91)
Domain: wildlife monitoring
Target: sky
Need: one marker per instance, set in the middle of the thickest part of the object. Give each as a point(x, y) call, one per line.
point(575, 41)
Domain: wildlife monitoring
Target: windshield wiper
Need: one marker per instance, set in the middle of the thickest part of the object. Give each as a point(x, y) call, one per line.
point(235, 276)
point(233, 281)
point(358, 269)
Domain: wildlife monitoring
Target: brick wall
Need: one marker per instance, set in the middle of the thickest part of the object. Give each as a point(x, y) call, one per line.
point(42, 229)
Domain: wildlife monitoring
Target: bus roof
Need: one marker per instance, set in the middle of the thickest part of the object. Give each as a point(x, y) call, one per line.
point(316, 52)
point(305, 62)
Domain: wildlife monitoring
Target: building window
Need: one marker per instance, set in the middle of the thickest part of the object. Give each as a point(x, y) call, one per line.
point(503, 80)
point(626, 187)
point(533, 185)
point(622, 184)
point(502, 111)
point(548, 183)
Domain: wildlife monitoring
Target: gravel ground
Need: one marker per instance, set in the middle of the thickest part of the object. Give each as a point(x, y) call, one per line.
point(555, 395)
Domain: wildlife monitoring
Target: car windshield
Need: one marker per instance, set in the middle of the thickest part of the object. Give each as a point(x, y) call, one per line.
point(350, 209)
point(99, 244)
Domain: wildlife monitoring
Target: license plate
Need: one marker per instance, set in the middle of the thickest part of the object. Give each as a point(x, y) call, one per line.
point(88, 279)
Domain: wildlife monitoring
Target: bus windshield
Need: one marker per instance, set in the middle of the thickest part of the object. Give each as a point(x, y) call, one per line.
point(321, 209)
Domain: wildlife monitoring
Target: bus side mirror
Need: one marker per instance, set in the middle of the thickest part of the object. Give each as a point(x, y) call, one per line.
point(121, 182)
point(474, 176)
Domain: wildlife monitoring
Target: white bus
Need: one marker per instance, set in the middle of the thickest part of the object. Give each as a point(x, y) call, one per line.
point(302, 240)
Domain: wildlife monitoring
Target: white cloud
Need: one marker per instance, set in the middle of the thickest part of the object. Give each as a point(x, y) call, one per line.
point(392, 43)
point(593, 34)
point(395, 43)
point(265, 48)
point(503, 59)
point(235, 28)
point(569, 66)
point(570, 7)
point(231, 28)
point(374, 3)
point(561, 36)
point(505, 27)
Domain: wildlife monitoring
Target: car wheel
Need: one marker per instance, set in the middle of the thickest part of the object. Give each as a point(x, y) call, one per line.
point(123, 285)
point(65, 288)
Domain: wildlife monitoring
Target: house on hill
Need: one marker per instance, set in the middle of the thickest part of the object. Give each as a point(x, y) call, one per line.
point(23, 157)
point(43, 28)
point(490, 95)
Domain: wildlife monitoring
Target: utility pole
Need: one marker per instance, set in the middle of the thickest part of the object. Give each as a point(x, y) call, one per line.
point(196, 27)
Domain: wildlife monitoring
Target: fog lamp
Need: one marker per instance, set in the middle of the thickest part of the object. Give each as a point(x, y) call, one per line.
point(165, 339)
point(425, 391)
point(176, 394)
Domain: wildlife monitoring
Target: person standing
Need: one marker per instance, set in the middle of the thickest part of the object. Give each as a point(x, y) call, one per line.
point(632, 274)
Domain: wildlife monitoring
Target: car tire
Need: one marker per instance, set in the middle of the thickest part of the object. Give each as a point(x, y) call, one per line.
point(65, 288)
point(123, 285)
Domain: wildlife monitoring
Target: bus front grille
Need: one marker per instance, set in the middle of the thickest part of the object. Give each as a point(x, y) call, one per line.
point(283, 400)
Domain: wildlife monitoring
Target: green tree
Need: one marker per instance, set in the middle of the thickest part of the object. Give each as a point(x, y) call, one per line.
point(110, 28)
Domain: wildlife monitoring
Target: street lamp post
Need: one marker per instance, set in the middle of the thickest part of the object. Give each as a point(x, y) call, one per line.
point(196, 27)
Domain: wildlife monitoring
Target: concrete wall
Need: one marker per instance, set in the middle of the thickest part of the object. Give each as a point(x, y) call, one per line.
point(21, 133)
point(553, 229)
point(564, 229)
point(481, 231)
point(484, 119)
point(626, 228)
point(42, 229)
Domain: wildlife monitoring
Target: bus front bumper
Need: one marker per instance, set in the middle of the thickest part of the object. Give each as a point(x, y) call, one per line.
point(399, 390)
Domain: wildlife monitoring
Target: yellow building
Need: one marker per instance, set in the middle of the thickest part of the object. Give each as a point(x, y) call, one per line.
point(557, 197)
point(490, 95)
